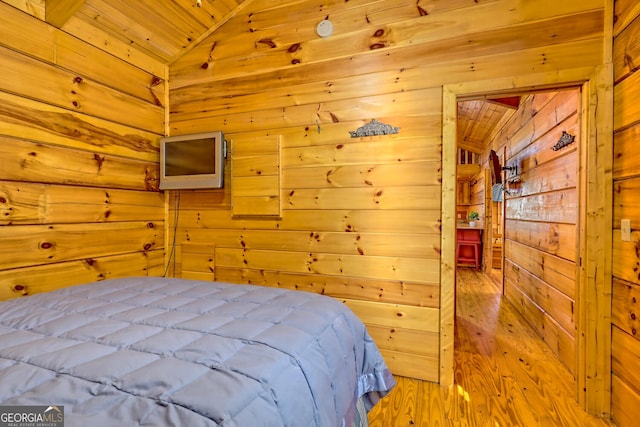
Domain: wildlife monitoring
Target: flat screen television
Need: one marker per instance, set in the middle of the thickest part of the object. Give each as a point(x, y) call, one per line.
point(192, 161)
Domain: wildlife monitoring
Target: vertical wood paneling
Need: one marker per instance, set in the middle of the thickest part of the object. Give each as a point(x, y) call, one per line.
point(448, 236)
point(626, 203)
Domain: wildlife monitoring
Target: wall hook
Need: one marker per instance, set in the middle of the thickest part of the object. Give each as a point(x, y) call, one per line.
point(565, 139)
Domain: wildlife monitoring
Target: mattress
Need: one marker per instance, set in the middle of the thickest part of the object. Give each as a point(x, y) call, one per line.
point(173, 352)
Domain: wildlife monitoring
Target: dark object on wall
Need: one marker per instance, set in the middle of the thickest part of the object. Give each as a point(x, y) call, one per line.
point(513, 173)
point(374, 128)
point(565, 139)
point(496, 169)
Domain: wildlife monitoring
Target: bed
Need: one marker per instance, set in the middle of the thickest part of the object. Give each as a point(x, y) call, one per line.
point(174, 352)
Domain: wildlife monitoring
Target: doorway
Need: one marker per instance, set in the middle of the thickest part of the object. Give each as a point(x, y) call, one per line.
point(479, 186)
point(528, 176)
point(592, 98)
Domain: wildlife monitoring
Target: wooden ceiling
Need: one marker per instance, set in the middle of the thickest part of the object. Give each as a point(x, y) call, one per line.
point(479, 119)
point(161, 29)
point(165, 30)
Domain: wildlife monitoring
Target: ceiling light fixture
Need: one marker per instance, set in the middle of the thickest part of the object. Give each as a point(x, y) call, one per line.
point(324, 28)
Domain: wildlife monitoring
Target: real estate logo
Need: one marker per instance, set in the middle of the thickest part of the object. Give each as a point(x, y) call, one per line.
point(31, 416)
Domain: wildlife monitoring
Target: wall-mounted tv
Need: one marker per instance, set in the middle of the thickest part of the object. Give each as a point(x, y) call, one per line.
point(192, 161)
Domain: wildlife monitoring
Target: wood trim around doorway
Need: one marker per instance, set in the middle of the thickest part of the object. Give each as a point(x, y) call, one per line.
point(593, 374)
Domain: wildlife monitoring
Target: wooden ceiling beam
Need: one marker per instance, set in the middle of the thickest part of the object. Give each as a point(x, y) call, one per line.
point(57, 12)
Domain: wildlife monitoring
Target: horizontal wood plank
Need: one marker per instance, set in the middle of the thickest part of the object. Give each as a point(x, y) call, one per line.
point(45, 244)
point(34, 162)
point(626, 257)
point(384, 268)
point(375, 244)
point(626, 157)
point(32, 203)
point(46, 83)
point(412, 197)
point(392, 315)
point(552, 269)
point(625, 313)
point(625, 408)
point(384, 175)
point(386, 291)
point(17, 282)
point(37, 121)
point(554, 238)
point(356, 221)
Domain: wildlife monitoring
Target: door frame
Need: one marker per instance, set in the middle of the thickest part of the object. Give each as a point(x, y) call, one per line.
point(593, 302)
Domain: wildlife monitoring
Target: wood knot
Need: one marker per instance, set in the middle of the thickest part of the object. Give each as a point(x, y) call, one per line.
point(46, 245)
point(378, 33)
point(78, 80)
point(18, 288)
point(205, 65)
point(295, 61)
point(294, 48)
point(377, 46)
point(268, 42)
point(99, 159)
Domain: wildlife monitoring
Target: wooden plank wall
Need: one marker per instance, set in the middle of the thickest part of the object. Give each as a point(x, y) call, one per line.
point(626, 192)
point(361, 216)
point(541, 216)
point(79, 131)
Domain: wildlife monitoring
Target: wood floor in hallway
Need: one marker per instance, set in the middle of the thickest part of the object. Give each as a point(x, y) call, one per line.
point(504, 374)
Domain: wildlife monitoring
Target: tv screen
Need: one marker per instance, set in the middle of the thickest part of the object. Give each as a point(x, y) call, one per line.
point(192, 161)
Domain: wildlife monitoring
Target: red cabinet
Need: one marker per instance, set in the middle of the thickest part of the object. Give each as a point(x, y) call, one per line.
point(469, 247)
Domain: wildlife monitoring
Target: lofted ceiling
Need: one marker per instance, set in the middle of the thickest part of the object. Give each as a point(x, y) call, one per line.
point(161, 29)
point(165, 30)
point(479, 119)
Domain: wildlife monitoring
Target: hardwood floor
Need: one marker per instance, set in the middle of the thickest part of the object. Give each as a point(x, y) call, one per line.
point(504, 374)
